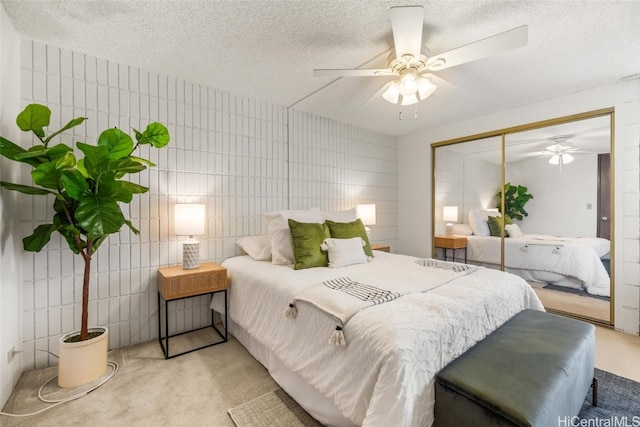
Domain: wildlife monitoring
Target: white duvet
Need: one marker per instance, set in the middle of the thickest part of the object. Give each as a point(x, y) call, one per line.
point(577, 257)
point(384, 375)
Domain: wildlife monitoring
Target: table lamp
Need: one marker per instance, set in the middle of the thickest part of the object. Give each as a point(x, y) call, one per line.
point(450, 215)
point(189, 221)
point(367, 213)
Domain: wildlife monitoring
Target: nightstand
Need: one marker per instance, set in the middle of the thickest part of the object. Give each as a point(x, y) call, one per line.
point(383, 248)
point(453, 243)
point(175, 283)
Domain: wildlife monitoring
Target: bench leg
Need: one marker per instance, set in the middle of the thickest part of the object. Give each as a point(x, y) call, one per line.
point(594, 395)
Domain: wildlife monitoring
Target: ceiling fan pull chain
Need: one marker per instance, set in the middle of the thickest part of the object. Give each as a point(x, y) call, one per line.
point(399, 115)
point(415, 114)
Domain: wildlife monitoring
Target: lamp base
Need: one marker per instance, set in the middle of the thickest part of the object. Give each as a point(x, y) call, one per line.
point(449, 230)
point(191, 255)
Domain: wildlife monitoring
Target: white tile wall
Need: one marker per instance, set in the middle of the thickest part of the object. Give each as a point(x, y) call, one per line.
point(240, 156)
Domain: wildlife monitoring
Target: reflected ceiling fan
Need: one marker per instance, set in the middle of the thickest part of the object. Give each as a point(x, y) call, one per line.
point(410, 60)
point(561, 151)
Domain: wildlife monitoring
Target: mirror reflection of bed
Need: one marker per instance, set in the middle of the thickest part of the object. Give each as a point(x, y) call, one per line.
point(561, 247)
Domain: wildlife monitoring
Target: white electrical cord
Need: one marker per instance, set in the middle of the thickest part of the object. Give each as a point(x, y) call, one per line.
point(57, 402)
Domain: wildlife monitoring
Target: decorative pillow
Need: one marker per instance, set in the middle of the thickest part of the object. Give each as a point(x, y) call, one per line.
point(257, 247)
point(513, 230)
point(478, 221)
point(494, 223)
point(462, 229)
point(343, 252)
point(341, 216)
point(348, 230)
point(278, 227)
point(307, 238)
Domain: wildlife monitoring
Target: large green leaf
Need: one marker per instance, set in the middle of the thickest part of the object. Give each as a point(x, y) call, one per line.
point(46, 175)
point(74, 183)
point(33, 118)
point(94, 156)
point(143, 161)
point(155, 134)
point(122, 167)
point(40, 237)
point(115, 190)
point(26, 189)
point(73, 123)
point(12, 151)
point(99, 215)
point(134, 188)
point(117, 143)
point(45, 154)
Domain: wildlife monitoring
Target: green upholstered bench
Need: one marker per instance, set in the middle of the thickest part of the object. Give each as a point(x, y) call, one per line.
point(533, 369)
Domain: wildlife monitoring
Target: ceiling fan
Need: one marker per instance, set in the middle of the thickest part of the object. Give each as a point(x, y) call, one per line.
point(412, 63)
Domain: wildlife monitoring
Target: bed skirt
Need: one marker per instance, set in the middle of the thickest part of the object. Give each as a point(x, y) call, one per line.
point(310, 399)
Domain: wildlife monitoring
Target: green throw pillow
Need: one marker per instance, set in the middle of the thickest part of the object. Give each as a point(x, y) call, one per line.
point(307, 238)
point(495, 222)
point(348, 230)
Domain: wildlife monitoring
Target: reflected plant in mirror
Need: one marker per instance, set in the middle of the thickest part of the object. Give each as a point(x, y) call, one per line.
point(515, 197)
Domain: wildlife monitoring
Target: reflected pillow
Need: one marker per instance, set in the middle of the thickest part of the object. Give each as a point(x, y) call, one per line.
point(462, 229)
point(494, 223)
point(343, 252)
point(257, 247)
point(478, 221)
point(513, 230)
point(341, 216)
point(348, 230)
point(307, 239)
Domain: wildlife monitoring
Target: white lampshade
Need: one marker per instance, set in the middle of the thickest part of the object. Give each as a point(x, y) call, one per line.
point(367, 213)
point(450, 213)
point(189, 220)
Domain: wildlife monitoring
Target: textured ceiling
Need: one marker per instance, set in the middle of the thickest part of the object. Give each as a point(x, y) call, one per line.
point(268, 49)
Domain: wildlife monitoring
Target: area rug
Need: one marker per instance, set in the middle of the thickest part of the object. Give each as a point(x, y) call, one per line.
point(618, 399)
point(275, 408)
point(618, 402)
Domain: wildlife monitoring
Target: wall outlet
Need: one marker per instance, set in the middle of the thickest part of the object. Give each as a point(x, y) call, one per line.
point(11, 354)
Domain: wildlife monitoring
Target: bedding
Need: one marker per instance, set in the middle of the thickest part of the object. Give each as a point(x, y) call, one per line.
point(384, 375)
point(564, 261)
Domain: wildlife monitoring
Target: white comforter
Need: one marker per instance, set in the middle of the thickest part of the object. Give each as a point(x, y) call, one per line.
point(577, 257)
point(384, 376)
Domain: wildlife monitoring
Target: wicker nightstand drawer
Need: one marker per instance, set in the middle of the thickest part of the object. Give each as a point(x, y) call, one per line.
point(175, 282)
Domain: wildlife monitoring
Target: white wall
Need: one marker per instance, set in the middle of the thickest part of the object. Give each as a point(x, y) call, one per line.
point(240, 156)
point(10, 240)
point(564, 203)
point(415, 180)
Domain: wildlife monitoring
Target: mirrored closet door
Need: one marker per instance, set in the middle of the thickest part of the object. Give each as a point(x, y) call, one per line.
point(554, 182)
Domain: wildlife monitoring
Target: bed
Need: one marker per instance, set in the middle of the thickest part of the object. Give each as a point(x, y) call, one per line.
point(573, 263)
point(384, 374)
point(570, 262)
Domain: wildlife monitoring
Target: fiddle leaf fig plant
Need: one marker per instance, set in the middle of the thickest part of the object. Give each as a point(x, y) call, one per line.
point(86, 191)
point(515, 197)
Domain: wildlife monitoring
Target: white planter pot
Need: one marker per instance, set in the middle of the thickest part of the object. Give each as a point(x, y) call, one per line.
point(84, 361)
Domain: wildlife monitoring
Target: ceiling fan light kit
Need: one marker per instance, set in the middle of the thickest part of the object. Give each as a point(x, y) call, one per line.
point(411, 61)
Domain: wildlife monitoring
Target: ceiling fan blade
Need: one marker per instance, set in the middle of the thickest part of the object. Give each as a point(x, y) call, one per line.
point(353, 73)
point(502, 42)
point(406, 23)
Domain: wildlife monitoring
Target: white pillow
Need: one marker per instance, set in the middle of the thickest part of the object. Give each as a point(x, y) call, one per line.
point(257, 247)
point(341, 216)
point(478, 221)
point(462, 229)
point(513, 230)
point(278, 227)
point(343, 252)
